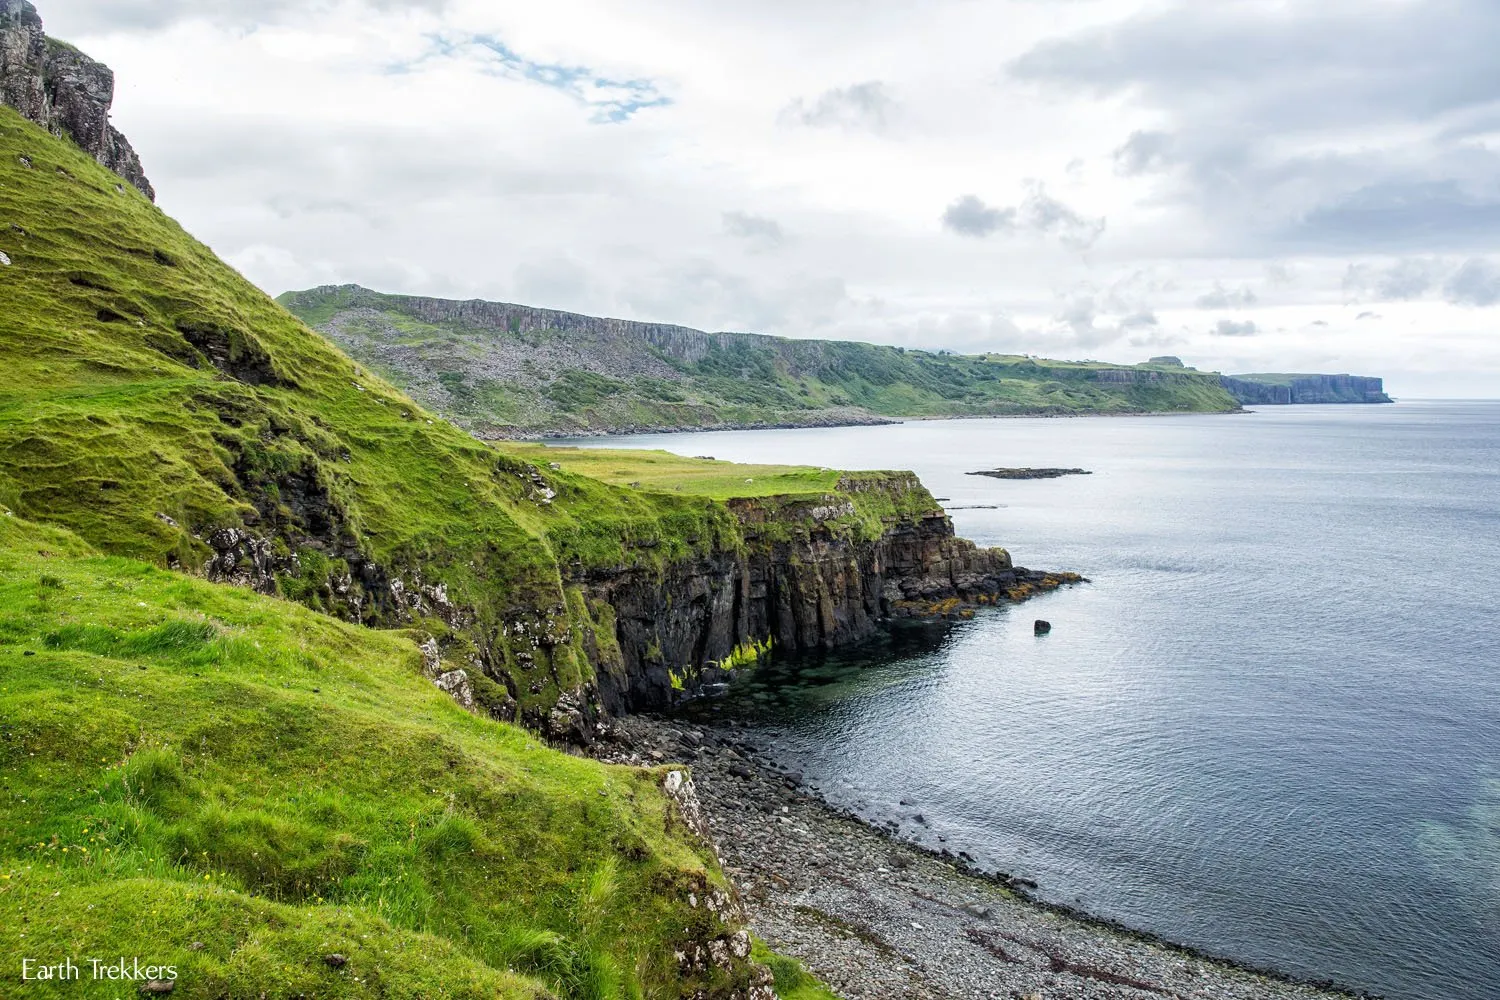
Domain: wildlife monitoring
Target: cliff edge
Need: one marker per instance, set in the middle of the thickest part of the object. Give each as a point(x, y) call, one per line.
point(505, 371)
point(63, 91)
point(1266, 389)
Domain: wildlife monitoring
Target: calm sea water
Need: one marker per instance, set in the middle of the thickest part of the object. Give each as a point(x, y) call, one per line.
point(1270, 726)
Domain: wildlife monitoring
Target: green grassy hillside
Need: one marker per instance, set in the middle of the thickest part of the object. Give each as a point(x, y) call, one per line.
point(237, 784)
point(513, 371)
point(239, 787)
point(163, 408)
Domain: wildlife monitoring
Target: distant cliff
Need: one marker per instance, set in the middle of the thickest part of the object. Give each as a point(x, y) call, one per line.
point(513, 371)
point(1264, 389)
point(62, 90)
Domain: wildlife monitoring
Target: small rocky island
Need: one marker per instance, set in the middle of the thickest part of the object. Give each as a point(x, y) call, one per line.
point(1030, 473)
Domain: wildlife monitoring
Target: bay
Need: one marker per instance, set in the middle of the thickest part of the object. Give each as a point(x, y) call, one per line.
point(1268, 728)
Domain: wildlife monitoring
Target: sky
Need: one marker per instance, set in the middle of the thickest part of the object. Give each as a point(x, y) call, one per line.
point(1299, 185)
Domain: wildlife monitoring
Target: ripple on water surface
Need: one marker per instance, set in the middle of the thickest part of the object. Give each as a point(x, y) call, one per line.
point(1269, 728)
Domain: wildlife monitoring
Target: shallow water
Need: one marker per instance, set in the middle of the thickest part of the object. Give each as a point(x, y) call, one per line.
point(1270, 726)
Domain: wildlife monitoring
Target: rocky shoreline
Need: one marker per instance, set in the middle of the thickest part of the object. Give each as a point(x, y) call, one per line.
point(878, 919)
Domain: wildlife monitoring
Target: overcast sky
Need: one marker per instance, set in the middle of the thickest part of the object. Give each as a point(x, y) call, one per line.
point(1308, 185)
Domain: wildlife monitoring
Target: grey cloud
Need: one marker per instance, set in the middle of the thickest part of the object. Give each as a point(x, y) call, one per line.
point(1364, 63)
point(1406, 211)
point(970, 216)
point(1038, 213)
point(557, 283)
point(1248, 96)
point(1234, 328)
point(1405, 279)
point(1085, 314)
point(755, 229)
point(1278, 273)
point(1475, 283)
point(1044, 213)
point(1224, 298)
point(862, 105)
point(1142, 153)
point(724, 300)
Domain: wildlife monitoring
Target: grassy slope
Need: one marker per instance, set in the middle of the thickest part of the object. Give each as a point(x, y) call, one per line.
point(115, 425)
point(183, 762)
point(741, 380)
point(661, 471)
point(793, 982)
point(1272, 378)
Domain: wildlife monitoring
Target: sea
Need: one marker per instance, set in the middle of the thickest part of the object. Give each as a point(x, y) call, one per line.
point(1268, 727)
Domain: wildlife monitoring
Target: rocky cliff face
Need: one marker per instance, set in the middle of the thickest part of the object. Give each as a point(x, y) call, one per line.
point(1287, 389)
point(801, 583)
point(62, 90)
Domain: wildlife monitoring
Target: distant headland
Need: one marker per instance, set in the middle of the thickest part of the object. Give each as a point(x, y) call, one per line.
point(1280, 389)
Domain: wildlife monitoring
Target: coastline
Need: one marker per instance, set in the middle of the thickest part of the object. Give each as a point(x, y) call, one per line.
point(878, 918)
point(872, 421)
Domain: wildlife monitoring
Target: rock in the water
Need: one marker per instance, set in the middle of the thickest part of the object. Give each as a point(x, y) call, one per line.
point(1030, 473)
point(1041, 627)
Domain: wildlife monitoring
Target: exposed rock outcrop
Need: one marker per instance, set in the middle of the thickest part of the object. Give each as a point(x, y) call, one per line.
point(1287, 389)
point(801, 583)
point(63, 90)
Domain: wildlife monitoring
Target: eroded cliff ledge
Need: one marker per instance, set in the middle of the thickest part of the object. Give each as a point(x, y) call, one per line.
point(809, 574)
point(63, 91)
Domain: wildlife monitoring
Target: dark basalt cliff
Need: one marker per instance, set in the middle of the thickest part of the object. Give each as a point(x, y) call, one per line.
point(1287, 389)
point(799, 584)
point(62, 90)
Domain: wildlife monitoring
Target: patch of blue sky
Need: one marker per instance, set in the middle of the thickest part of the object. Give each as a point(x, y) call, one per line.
point(609, 100)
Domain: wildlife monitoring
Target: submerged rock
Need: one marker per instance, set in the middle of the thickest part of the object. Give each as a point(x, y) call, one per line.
point(1042, 627)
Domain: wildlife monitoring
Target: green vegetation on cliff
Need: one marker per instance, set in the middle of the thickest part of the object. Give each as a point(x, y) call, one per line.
point(513, 371)
point(161, 407)
point(233, 785)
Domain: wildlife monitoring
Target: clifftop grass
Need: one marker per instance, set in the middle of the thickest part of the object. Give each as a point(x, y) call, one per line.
point(664, 472)
point(237, 786)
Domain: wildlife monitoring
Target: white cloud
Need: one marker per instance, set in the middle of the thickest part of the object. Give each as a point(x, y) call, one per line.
point(809, 169)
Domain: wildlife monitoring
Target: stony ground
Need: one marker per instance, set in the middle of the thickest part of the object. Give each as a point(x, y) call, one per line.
point(879, 920)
